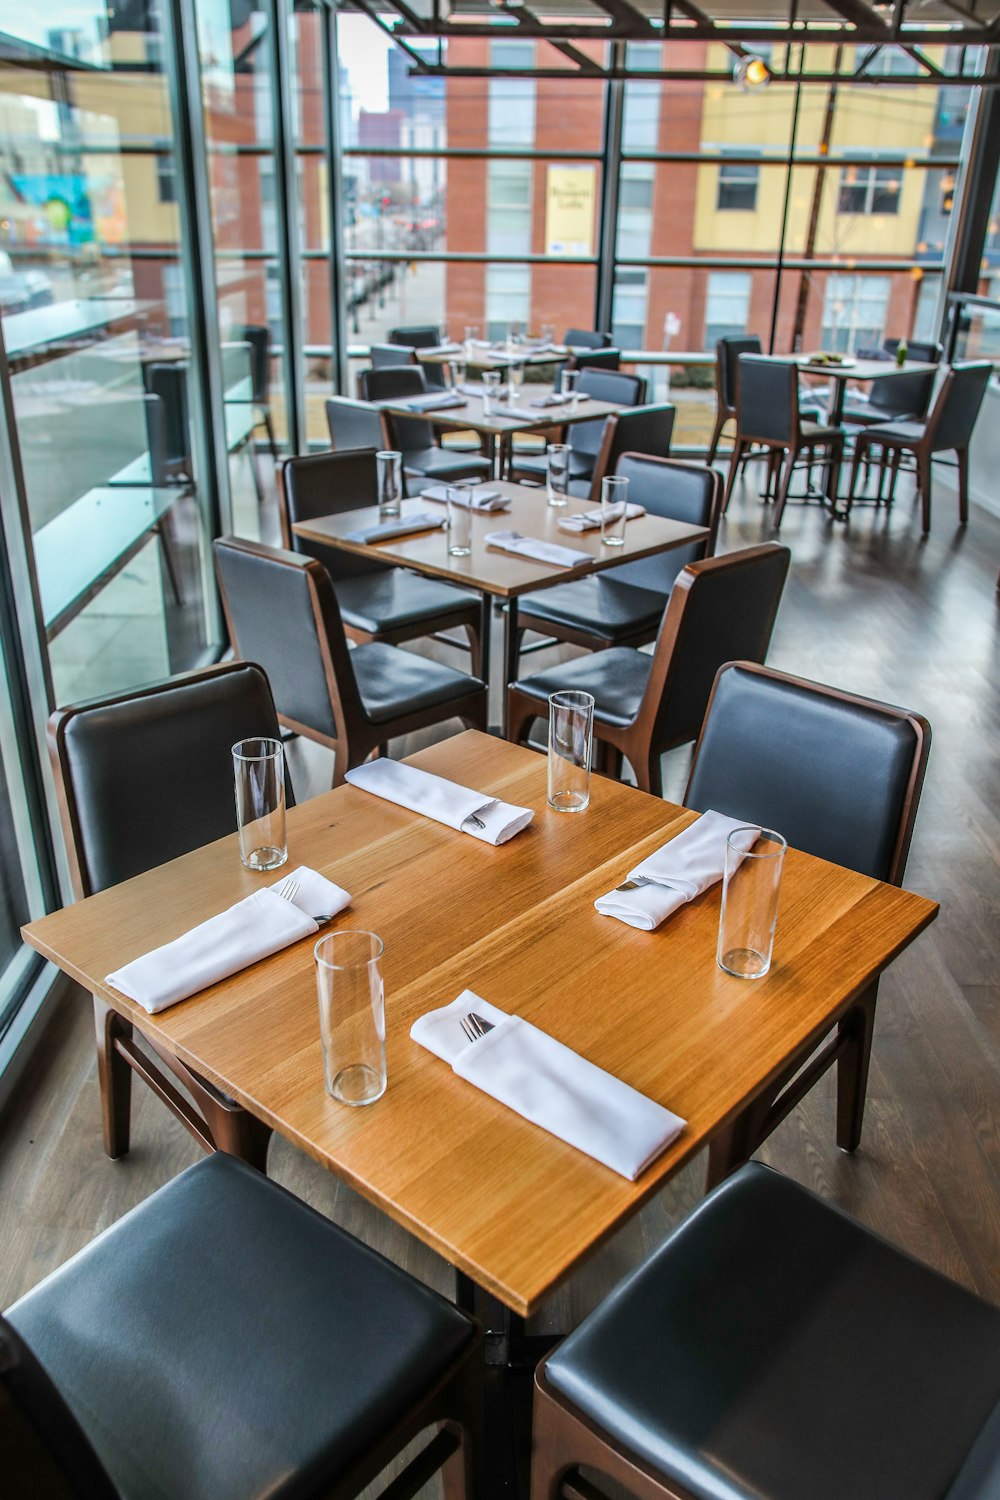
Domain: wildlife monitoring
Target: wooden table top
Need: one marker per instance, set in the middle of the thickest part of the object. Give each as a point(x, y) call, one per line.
point(488, 569)
point(862, 369)
point(522, 417)
point(510, 1205)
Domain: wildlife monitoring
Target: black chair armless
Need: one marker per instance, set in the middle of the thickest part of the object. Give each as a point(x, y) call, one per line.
point(586, 338)
point(414, 436)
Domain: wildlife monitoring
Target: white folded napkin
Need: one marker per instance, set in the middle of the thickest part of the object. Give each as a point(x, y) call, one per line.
point(551, 1085)
point(554, 398)
point(476, 498)
point(255, 927)
point(589, 520)
point(528, 546)
point(432, 402)
point(441, 349)
point(444, 801)
point(678, 872)
point(422, 520)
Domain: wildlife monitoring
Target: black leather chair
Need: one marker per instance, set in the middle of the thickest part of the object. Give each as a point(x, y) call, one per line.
point(282, 608)
point(727, 355)
point(644, 429)
point(948, 429)
point(223, 1341)
point(389, 356)
point(259, 339)
point(768, 415)
point(414, 436)
point(422, 336)
point(645, 705)
point(353, 424)
point(377, 603)
point(593, 359)
point(167, 381)
point(142, 778)
point(840, 777)
point(623, 606)
point(586, 338)
point(905, 397)
point(775, 1349)
point(927, 353)
point(585, 438)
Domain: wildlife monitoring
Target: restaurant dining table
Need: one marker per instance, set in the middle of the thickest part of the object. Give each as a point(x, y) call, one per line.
point(849, 369)
point(495, 574)
point(512, 1208)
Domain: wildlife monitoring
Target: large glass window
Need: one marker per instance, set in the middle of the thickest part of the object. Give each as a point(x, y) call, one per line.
point(854, 312)
point(727, 305)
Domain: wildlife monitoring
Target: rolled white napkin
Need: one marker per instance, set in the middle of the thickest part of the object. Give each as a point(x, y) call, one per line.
point(432, 402)
point(551, 1085)
point(254, 928)
point(444, 801)
point(422, 520)
point(441, 349)
point(554, 398)
point(589, 520)
point(681, 870)
point(475, 498)
point(529, 546)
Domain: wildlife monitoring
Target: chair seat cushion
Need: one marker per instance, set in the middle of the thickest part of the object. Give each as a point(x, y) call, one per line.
point(617, 679)
point(393, 597)
point(773, 1349)
point(896, 431)
point(440, 463)
point(867, 413)
point(393, 682)
point(224, 1341)
point(813, 432)
point(600, 606)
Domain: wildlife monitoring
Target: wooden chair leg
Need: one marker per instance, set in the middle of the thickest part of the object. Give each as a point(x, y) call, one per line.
point(739, 446)
point(895, 459)
point(963, 486)
point(475, 650)
point(115, 1079)
point(238, 1133)
point(924, 484)
point(861, 453)
point(852, 1069)
point(786, 484)
point(720, 422)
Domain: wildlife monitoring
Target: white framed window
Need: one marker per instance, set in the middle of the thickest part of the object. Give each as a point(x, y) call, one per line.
point(628, 314)
point(508, 207)
point(511, 100)
point(727, 305)
point(866, 188)
point(737, 186)
point(635, 209)
point(508, 298)
point(854, 312)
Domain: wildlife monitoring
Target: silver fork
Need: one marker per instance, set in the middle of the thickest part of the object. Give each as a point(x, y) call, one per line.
point(288, 890)
point(635, 883)
point(475, 1027)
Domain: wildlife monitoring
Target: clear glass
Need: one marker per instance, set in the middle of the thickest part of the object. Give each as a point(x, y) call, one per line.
point(459, 521)
point(754, 861)
point(570, 387)
point(557, 473)
point(389, 466)
point(458, 371)
point(471, 335)
point(515, 379)
point(259, 772)
point(491, 391)
point(614, 508)
point(571, 733)
point(351, 1015)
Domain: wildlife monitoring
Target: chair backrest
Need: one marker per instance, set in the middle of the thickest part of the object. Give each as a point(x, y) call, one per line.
point(353, 424)
point(957, 407)
point(677, 491)
point(586, 338)
point(718, 608)
point(727, 359)
point(283, 607)
point(904, 395)
point(767, 398)
point(419, 336)
point(839, 776)
point(259, 339)
point(168, 381)
point(146, 776)
point(603, 385)
point(398, 383)
point(386, 356)
point(325, 484)
point(595, 359)
point(45, 1450)
point(156, 440)
point(643, 429)
point(926, 353)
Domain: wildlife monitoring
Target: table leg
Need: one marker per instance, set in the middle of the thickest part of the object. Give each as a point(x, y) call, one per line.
point(511, 640)
point(485, 637)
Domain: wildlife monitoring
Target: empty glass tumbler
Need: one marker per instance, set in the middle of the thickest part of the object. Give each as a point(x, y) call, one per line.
point(754, 861)
point(459, 520)
point(389, 467)
point(571, 733)
point(557, 473)
point(614, 508)
point(352, 1015)
point(259, 773)
point(491, 391)
point(570, 387)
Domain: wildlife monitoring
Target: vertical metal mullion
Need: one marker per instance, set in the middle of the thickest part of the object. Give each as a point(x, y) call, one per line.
point(287, 218)
point(207, 393)
point(611, 159)
point(334, 177)
point(793, 137)
point(980, 154)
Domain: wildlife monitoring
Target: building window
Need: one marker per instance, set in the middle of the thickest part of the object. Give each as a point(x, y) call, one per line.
point(166, 179)
point(508, 298)
point(628, 318)
point(727, 305)
point(854, 312)
point(508, 207)
point(635, 209)
point(737, 190)
point(868, 189)
point(511, 100)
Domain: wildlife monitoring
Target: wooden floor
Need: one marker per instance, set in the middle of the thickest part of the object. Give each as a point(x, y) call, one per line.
point(871, 608)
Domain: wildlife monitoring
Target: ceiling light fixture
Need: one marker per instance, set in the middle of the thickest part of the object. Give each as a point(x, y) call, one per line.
point(751, 73)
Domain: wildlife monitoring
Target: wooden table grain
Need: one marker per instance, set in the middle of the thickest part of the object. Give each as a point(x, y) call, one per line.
point(504, 1202)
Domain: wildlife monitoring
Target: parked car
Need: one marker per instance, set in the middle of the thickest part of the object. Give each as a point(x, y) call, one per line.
point(20, 290)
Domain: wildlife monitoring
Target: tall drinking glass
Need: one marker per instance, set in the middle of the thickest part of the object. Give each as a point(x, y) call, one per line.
point(515, 377)
point(571, 732)
point(614, 507)
point(557, 473)
point(259, 773)
point(459, 520)
point(491, 392)
point(458, 369)
point(571, 387)
point(351, 1015)
point(389, 467)
point(754, 861)
point(471, 335)
point(548, 334)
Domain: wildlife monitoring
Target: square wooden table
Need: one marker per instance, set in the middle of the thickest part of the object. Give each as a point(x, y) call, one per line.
point(512, 1207)
point(861, 370)
point(490, 571)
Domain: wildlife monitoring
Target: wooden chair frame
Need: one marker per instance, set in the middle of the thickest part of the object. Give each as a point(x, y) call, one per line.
point(638, 742)
point(797, 442)
point(848, 1043)
point(359, 736)
point(215, 1121)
